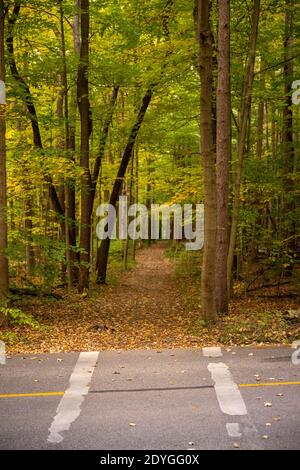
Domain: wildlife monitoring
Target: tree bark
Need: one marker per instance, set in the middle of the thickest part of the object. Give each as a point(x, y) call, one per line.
point(69, 189)
point(245, 109)
point(28, 101)
point(260, 118)
point(85, 130)
point(223, 154)
point(287, 133)
point(136, 192)
point(205, 38)
point(4, 278)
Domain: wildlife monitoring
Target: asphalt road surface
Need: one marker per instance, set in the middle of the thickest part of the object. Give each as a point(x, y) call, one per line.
point(234, 398)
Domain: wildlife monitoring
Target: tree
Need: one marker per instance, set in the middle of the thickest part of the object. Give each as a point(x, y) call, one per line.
point(243, 126)
point(4, 279)
point(223, 154)
point(127, 155)
point(85, 131)
point(205, 38)
point(70, 147)
point(57, 169)
point(28, 101)
point(288, 128)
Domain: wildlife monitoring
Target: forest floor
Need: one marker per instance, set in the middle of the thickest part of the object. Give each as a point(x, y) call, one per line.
point(151, 307)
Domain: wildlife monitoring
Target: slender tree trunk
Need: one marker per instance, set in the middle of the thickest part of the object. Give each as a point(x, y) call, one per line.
point(136, 192)
point(105, 244)
point(205, 38)
point(103, 139)
point(76, 27)
point(4, 279)
point(260, 118)
point(223, 154)
point(28, 101)
point(126, 248)
point(69, 189)
point(148, 197)
point(245, 109)
point(28, 225)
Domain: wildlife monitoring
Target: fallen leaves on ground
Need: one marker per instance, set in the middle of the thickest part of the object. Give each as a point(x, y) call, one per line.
point(149, 308)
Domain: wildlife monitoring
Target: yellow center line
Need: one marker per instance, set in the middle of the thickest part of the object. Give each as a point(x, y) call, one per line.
point(53, 394)
point(37, 394)
point(268, 384)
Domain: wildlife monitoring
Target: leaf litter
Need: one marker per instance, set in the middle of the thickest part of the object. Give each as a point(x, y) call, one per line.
point(148, 308)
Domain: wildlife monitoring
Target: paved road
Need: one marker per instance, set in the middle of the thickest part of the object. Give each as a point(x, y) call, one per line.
point(241, 398)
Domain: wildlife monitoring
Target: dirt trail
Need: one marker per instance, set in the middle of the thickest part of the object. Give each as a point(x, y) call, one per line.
point(146, 300)
point(143, 310)
point(148, 309)
point(152, 276)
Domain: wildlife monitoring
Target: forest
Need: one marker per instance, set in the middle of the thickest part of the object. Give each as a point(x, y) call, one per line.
point(164, 102)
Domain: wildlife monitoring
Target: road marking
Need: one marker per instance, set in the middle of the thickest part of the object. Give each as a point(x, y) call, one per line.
point(229, 397)
point(69, 407)
point(2, 353)
point(233, 430)
point(269, 384)
point(2, 92)
point(53, 394)
point(212, 352)
point(34, 394)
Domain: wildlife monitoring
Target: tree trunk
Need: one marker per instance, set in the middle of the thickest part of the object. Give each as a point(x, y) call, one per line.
point(136, 192)
point(223, 155)
point(287, 133)
point(4, 279)
point(245, 108)
point(148, 197)
point(105, 244)
point(126, 247)
point(28, 101)
point(260, 118)
point(205, 38)
point(69, 189)
point(85, 130)
point(28, 225)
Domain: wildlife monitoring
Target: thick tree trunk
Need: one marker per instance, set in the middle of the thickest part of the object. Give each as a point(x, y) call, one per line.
point(245, 109)
point(287, 133)
point(85, 130)
point(88, 180)
point(205, 38)
point(4, 280)
point(223, 154)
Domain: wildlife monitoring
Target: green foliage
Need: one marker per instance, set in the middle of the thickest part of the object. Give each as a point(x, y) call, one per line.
point(9, 337)
point(130, 48)
point(266, 328)
point(187, 263)
point(17, 317)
